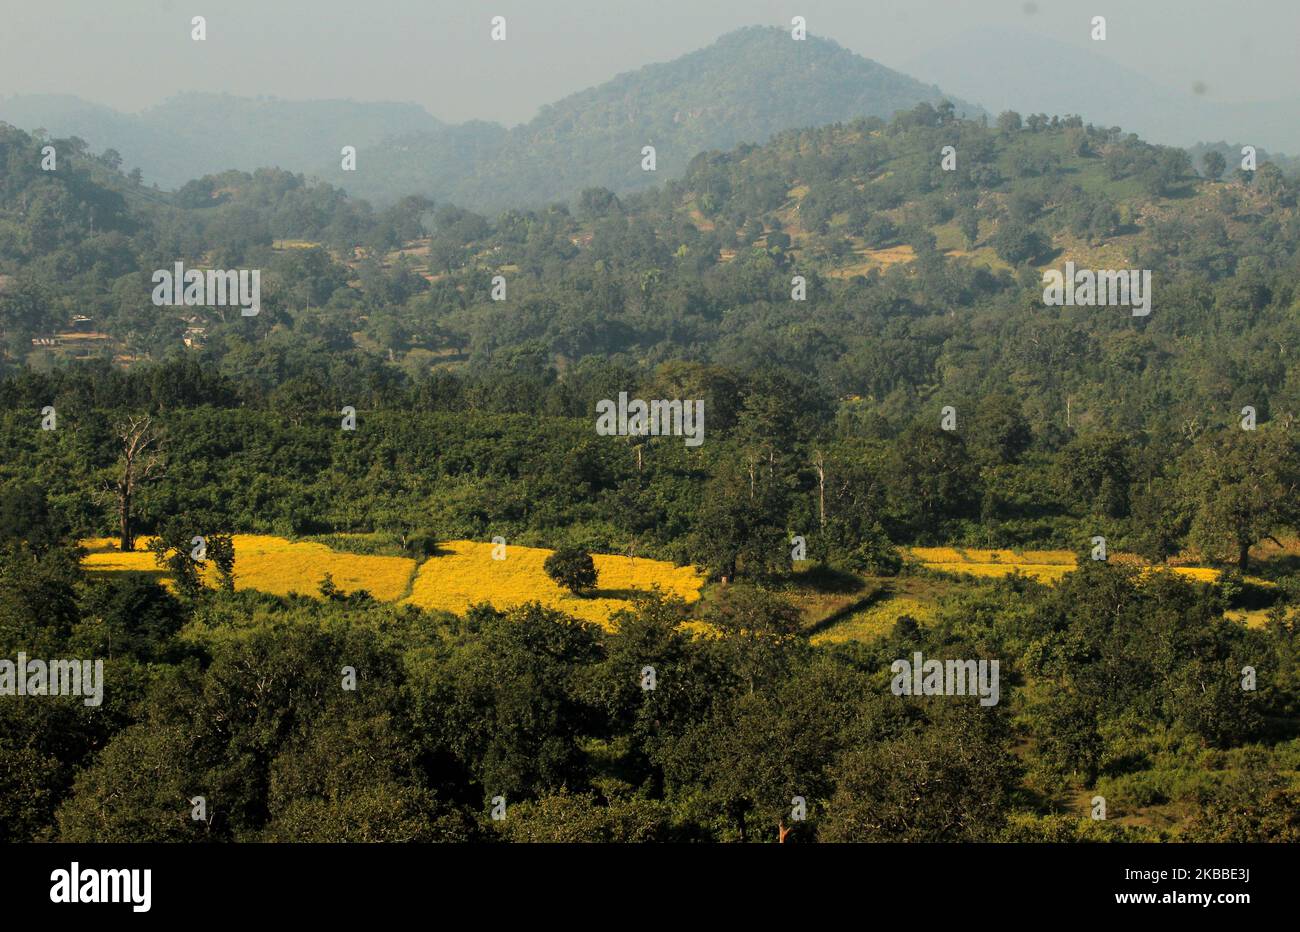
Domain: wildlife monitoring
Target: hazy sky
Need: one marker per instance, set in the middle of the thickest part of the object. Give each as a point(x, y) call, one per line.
point(130, 54)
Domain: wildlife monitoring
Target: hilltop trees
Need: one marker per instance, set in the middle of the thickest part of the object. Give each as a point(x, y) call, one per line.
point(1214, 164)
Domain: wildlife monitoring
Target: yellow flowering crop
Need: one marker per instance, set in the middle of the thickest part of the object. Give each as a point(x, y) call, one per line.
point(1043, 565)
point(466, 573)
point(276, 565)
point(463, 575)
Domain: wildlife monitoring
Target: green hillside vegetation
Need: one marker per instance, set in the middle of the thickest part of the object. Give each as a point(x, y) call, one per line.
point(475, 420)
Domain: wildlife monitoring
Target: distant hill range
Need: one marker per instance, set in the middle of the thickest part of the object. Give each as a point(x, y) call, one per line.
point(1008, 69)
point(746, 87)
point(192, 135)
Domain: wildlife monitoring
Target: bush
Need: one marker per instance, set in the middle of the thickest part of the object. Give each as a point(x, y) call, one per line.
point(421, 543)
point(1018, 242)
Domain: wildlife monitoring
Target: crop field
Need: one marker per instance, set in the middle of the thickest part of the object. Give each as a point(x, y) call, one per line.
point(1043, 565)
point(462, 575)
point(466, 574)
point(877, 620)
point(276, 565)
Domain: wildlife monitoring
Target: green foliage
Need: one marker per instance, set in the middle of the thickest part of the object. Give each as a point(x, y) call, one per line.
point(572, 568)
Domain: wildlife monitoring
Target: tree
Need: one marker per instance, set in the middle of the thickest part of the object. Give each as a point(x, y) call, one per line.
point(1214, 164)
point(1009, 121)
point(1244, 486)
point(1018, 242)
point(999, 430)
point(1252, 806)
point(568, 818)
point(503, 704)
point(140, 461)
point(741, 526)
point(761, 750)
point(25, 514)
point(931, 480)
point(968, 222)
point(572, 568)
point(949, 780)
point(174, 546)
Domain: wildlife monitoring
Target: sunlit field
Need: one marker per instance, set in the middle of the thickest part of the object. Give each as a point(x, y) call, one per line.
point(463, 574)
point(1043, 565)
point(466, 573)
point(276, 565)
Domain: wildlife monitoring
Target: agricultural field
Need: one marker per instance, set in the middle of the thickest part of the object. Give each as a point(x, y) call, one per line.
point(466, 574)
point(275, 565)
point(1043, 565)
point(910, 598)
point(461, 575)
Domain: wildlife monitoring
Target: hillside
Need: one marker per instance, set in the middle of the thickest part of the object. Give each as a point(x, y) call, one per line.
point(385, 418)
point(746, 87)
point(939, 270)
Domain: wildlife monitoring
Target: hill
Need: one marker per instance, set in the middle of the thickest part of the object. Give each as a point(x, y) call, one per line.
point(746, 87)
point(921, 283)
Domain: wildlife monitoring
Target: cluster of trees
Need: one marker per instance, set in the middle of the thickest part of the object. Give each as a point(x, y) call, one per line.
point(702, 267)
point(242, 716)
point(473, 457)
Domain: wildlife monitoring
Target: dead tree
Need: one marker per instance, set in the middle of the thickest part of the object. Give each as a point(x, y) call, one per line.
point(819, 464)
point(140, 461)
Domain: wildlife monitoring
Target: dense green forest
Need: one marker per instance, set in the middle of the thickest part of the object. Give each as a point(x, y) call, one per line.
point(475, 418)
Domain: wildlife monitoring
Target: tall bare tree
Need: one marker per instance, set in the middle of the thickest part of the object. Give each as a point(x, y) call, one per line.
point(819, 464)
point(140, 461)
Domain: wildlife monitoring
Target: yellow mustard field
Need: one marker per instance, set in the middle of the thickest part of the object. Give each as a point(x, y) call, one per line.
point(462, 575)
point(876, 621)
point(276, 565)
point(1043, 565)
point(466, 573)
